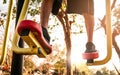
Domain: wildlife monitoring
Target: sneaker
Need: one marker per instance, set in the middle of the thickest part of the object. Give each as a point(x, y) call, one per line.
point(45, 34)
point(90, 47)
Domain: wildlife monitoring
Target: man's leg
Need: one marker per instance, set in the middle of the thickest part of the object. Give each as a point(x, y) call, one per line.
point(89, 22)
point(46, 9)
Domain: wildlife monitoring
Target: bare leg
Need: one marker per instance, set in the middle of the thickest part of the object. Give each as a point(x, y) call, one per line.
point(89, 22)
point(90, 47)
point(46, 8)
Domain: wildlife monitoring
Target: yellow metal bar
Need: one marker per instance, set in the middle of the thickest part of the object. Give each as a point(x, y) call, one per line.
point(16, 36)
point(108, 35)
point(33, 43)
point(30, 50)
point(5, 41)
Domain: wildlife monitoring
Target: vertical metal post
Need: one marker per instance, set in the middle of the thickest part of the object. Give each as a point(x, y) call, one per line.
point(17, 61)
point(108, 35)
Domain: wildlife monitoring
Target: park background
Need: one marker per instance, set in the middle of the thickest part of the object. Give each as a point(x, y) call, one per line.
point(57, 38)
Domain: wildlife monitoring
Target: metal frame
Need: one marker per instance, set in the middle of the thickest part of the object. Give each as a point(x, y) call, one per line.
point(30, 50)
point(27, 50)
point(108, 36)
point(5, 41)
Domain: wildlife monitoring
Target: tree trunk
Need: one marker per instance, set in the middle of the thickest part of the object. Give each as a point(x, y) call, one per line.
point(114, 34)
point(63, 18)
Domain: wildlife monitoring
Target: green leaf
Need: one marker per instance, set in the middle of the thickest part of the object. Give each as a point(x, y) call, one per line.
point(4, 1)
point(33, 1)
point(38, 1)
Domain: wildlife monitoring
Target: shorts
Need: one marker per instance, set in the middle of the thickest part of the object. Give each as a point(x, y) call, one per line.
point(56, 6)
point(80, 6)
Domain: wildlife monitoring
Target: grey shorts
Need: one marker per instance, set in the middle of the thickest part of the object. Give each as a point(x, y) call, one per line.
point(80, 6)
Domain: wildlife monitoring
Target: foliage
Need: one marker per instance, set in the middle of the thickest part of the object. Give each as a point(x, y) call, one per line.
point(116, 12)
point(116, 30)
point(35, 0)
point(45, 68)
point(34, 8)
point(28, 64)
point(2, 18)
point(105, 71)
point(61, 64)
point(4, 1)
point(33, 12)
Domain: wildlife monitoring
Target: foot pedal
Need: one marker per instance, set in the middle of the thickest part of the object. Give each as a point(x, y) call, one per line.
point(31, 33)
point(90, 56)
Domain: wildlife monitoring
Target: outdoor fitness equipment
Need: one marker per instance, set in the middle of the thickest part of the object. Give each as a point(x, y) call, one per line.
point(34, 46)
point(33, 38)
point(3, 48)
point(93, 55)
point(31, 33)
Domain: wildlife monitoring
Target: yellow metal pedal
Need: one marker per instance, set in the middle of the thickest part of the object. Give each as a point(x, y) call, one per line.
point(32, 42)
